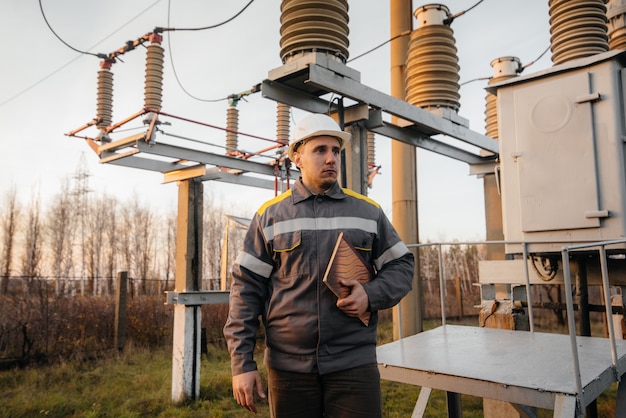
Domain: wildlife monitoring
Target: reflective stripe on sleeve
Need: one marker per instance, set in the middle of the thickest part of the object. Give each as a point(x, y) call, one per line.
point(320, 224)
point(254, 264)
point(391, 254)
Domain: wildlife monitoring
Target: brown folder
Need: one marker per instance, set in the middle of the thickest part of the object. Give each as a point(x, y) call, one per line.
point(345, 262)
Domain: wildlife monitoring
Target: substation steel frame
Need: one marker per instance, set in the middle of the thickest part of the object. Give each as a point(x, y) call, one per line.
point(301, 83)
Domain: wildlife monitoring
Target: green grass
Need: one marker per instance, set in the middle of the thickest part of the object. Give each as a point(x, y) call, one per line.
point(138, 384)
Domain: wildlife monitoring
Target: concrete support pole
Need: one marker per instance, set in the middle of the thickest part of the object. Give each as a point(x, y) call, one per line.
point(187, 319)
point(404, 173)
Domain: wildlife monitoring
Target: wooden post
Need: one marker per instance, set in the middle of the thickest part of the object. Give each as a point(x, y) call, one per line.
point(120, 310)
point(187, 318)
point(618, 319)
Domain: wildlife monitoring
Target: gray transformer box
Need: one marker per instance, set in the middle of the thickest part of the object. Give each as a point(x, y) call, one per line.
point(562, 154)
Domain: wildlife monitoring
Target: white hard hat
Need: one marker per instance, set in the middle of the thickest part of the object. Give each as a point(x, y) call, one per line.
point(316, 124)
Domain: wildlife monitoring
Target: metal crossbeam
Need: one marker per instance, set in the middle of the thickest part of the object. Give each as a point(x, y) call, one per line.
point(302, 86)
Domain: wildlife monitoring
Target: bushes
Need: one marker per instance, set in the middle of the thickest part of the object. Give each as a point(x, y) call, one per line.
point(36, 326)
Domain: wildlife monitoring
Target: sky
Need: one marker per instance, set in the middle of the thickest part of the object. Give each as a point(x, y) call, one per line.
point(47, 89)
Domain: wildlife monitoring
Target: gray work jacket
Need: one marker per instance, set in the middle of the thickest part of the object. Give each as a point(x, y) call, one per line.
point(278, 276)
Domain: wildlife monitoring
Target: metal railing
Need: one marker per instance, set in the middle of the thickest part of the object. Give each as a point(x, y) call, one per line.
point(601, 246)
point(439, 246)
point(565, 255)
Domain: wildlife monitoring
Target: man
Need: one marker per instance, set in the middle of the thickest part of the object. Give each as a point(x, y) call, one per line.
point(321, 358)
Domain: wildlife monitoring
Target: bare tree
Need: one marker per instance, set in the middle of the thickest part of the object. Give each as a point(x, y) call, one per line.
point(472, 257)
point(236, 234)
point(137, 240)
point(9, 225)
point(170, 247)
point(31, 257)
point(124, 243)
point(144, 241)
point(97, 217)
point(81, 201)
point(111, 246)
point(60, 231)
point(462, 263)
point(429, 266)
point(213, 226)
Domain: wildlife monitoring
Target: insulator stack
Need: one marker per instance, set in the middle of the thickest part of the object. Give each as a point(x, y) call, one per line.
point(503, 69)
point(371, 149)
point(616, 15)
point(153, 94)
point(104, 107)
point(232, 127)
point(432, 72)
point(578, 29)
point(283, 113)
point(321, 26)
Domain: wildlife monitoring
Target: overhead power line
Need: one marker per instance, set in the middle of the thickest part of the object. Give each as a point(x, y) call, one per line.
point(520, 70)
point(408, 32)
point(106, 56)
point(43, 14)
point(206, 27)
point(169, 48)
point(450, 20)
point(535, 60)
point(36, 83)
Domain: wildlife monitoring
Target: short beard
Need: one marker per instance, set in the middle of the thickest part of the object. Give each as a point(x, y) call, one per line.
point(327, 185)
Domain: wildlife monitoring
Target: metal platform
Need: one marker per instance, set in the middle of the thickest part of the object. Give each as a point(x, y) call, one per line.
point(524, 368)
point(564, 373)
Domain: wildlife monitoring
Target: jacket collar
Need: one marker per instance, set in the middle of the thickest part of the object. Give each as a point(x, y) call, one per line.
point(300, 193)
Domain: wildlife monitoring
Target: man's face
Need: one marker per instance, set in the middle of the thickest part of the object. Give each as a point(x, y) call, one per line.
point(319, 161)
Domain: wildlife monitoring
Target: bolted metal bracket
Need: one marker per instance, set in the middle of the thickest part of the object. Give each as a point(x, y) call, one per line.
point(213, 297)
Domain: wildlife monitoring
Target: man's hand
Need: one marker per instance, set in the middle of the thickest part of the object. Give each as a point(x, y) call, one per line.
point(356, 303)
point(243, 389)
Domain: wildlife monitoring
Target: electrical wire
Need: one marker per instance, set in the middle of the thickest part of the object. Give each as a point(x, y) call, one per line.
point(406, 32)
point(43, 14)
point(216, 127)
point(535, 60)
point(36, 83)
point(208, 27)
point(519, 71)
point(451, 19)
point(475, 79)
point(169, 47)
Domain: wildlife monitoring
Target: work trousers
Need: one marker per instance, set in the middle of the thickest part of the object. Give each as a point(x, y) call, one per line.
point(345, 394)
